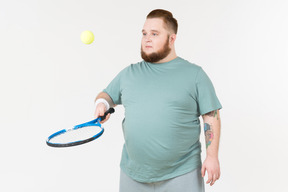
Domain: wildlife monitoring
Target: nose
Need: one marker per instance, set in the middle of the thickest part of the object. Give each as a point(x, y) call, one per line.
point(147, 38)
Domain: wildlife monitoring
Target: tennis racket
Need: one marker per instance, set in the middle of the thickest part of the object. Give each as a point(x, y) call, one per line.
point(79, 134)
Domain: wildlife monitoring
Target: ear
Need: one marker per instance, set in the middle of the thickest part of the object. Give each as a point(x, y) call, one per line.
point(172, 39)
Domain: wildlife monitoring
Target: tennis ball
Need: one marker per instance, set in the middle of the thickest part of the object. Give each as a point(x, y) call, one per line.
point(87, 37)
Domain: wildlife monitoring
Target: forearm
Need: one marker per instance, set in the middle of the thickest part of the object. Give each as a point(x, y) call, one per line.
point(212, 126)
point(105, 96)
point(212, 136)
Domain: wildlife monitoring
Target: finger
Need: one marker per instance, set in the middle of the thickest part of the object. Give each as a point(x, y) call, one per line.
point(101, 112)
point(217, 175)
point(97, 113)
point(107, 117)
point(215, 178)
point(203, 171)
point(210, 178)
point(100, 109)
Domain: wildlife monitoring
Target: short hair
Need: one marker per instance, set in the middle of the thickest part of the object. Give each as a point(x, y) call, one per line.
point(167, 17)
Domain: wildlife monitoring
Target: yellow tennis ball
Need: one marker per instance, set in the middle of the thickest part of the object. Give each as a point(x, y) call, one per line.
point(87, 37)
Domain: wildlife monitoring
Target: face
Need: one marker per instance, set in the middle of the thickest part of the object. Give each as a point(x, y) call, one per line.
point(155, 44)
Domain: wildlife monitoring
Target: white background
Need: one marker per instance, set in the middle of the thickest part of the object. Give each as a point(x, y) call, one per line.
point(49, 80)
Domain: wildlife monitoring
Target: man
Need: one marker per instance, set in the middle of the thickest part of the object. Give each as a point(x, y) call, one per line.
point(163, 97)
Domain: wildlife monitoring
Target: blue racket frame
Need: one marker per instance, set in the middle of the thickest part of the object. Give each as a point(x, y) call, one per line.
point(95, 122)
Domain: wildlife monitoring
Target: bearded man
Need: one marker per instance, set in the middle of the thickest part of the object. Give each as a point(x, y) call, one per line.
point(164, 96)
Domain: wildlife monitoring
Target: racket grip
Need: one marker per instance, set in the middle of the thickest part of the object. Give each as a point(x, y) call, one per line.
point(111, 110)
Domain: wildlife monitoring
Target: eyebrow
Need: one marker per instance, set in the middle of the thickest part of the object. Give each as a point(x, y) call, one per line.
point(151, 30)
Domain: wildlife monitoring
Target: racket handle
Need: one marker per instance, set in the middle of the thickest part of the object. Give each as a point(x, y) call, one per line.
point(111, 110)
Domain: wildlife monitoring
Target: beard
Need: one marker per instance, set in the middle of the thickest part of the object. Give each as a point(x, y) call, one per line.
point(157, 56)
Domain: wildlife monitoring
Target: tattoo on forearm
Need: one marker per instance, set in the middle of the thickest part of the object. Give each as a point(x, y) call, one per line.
point(209, 135)
point(213, 114)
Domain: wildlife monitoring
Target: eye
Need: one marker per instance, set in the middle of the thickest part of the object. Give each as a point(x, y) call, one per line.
point(154, 34)
point(144, 34)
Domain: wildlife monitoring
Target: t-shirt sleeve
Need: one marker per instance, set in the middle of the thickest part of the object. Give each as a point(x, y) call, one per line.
point(206, 95)
point(114, 89)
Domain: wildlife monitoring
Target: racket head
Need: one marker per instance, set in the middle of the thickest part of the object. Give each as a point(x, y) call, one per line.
point(79, 134)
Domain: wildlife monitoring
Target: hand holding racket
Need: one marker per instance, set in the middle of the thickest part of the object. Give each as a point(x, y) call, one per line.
point(100, 111)
point(79, 134)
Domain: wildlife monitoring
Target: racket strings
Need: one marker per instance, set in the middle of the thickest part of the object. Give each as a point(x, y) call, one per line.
point(74, 135)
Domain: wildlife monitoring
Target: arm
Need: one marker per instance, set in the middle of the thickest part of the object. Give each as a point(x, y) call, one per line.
point(211, 164)
point(101, 107)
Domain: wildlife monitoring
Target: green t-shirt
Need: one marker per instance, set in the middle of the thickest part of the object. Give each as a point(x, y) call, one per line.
point(161, 127)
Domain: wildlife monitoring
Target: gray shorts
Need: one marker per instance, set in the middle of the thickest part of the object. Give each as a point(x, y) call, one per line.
point(190, 182)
